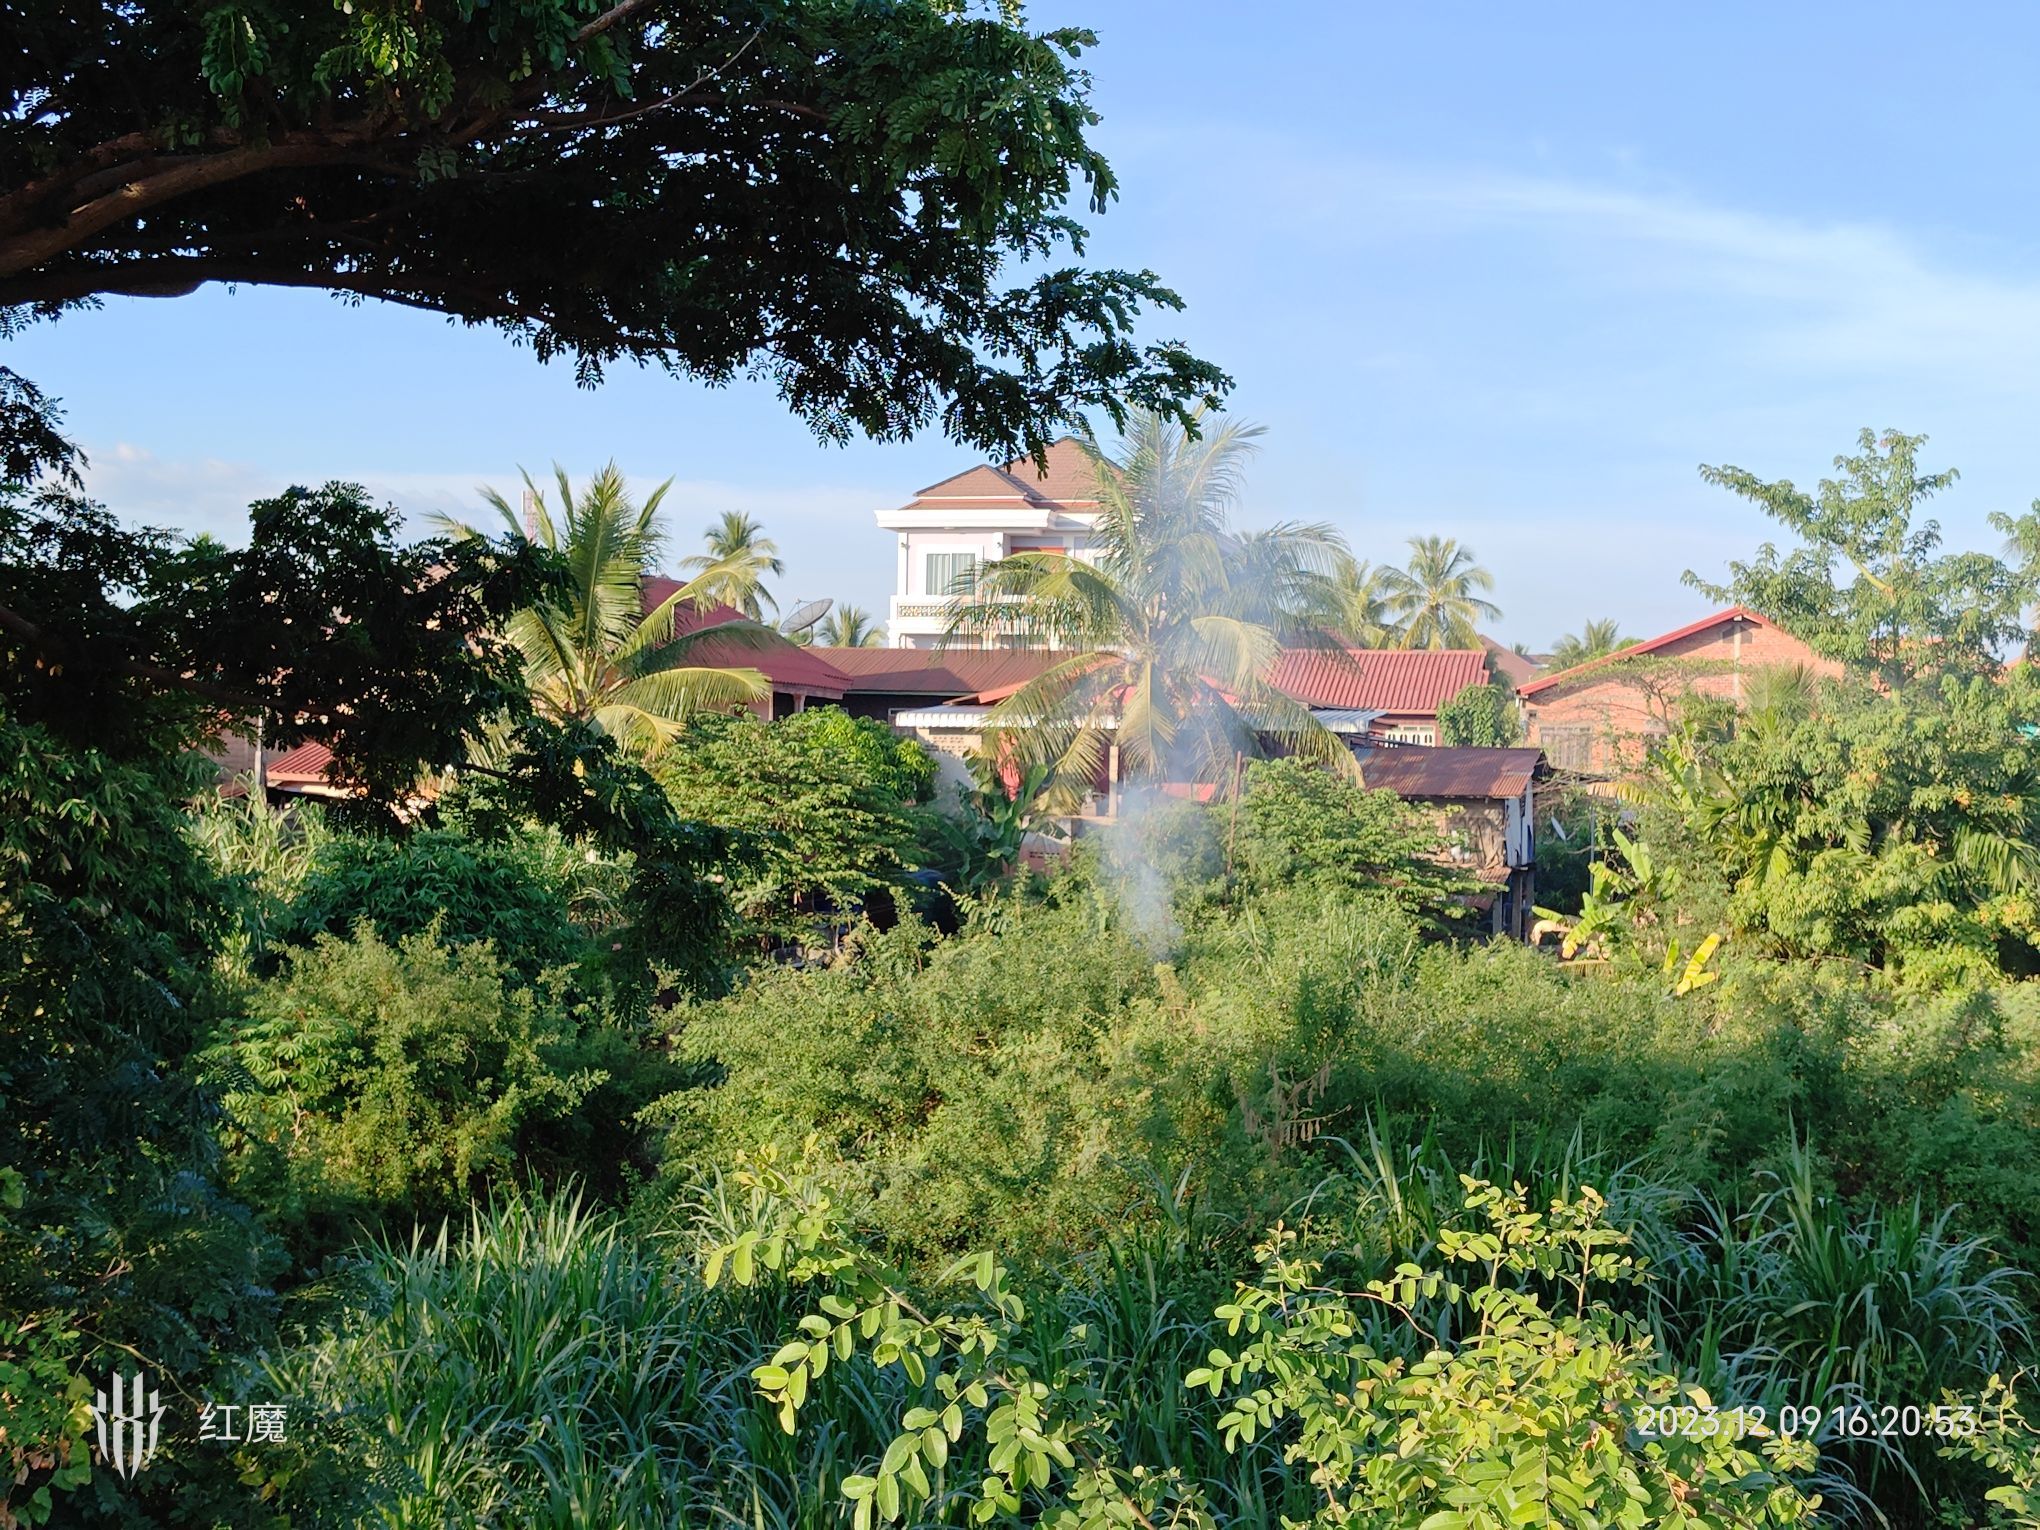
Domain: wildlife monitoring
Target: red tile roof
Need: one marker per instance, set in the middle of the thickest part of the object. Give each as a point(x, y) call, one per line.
point(1652, 645)
point(1071, 480)
point(924, 672)
point(1455, 773)
point(1380, 679)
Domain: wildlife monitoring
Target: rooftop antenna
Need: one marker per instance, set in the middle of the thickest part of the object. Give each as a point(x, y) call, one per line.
point(804, 616)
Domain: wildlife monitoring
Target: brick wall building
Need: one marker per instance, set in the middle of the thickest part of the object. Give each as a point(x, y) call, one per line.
point(1600, 717)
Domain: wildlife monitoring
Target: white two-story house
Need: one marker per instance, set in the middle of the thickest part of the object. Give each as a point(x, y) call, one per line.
point(951, 529)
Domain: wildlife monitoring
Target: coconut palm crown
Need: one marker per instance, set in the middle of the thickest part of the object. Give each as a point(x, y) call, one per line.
point(1593, 641)
point(596, 655)
point(852, 627)
point(1173, 622)
point(733, 569)
point(1438, 598)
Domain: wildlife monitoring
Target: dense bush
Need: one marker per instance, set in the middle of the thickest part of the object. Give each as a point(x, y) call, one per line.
point(1831, 821)
point(953, 1084)
point(823, 808)
point(1482, 716)
point(376, 1080)
point(1298, 823)
point(506, 894)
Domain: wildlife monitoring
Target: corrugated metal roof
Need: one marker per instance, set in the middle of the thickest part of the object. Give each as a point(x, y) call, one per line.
point(307, 762)
point(1447, 772)
point(925, 672)
point(1381, 679)
point(782, 661)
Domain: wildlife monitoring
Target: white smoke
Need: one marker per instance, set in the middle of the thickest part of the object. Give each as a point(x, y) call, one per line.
point(1132, 868)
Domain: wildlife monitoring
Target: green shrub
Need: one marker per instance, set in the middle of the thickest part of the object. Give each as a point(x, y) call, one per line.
point(1482, 716)
point(1299, 823)
point(377, 1078)
point(823, 809)
point(978, 1081)
point(507, 894)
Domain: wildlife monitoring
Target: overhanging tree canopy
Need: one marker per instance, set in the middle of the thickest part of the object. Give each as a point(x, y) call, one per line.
point(828, 193)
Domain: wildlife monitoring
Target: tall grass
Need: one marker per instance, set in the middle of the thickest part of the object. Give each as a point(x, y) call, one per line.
point(544, 1365)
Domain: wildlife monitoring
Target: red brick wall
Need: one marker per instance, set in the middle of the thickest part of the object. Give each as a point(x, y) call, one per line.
point(1603, 721)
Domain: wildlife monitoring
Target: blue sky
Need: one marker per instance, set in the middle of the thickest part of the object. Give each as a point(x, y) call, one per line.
point(1499, 273)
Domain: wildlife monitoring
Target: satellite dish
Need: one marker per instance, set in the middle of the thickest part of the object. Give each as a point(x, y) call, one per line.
point(802, 617)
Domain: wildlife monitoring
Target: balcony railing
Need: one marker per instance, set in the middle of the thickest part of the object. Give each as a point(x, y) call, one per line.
point(930, 610)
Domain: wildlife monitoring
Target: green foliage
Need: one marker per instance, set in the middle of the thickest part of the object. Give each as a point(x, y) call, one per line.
point(464, 890)
point(323, 626)
point(262, 851)
point(593, 653)
point(1481, 716)
point(670, 922)
point(533, 1363)
point(587, 179)
point(1299, 824)
point(397, 1076)
point(1900, 831)
point(822, 806)
point(1903, 608)
point(114, 1231)
point(950, 1081)
point(1036, 1423)
point(978, 845)
point(2007, 1444)
point(1525, 1414)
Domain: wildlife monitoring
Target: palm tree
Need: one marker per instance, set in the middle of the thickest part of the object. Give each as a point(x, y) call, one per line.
point(595, 654)
point(1363, 618)
point(733, 569)
point(1435, 597)
point(1595, 640)
point(1174, 627)
point(852, 627)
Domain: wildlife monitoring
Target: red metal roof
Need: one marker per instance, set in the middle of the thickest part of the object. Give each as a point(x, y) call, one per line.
point(782, 661)
point(307, 762)
point(1456, 773)
point(925, 672)
point(1380, 679)
point(1514, 667)
point(1652, 645)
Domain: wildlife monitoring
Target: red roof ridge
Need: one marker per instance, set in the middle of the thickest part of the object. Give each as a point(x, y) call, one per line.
point(1650, 645)
point(1035, 492)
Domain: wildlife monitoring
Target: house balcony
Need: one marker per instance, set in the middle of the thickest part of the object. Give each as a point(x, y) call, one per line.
point(918, 621)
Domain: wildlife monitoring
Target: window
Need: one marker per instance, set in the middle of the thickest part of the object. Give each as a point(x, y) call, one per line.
point(1412, 733)
point(1568, 748)
point(952, 573)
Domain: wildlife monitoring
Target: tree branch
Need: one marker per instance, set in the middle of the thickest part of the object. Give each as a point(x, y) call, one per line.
point(609, 18)
point(156, 674)
point(176, 276)
point(27, 250)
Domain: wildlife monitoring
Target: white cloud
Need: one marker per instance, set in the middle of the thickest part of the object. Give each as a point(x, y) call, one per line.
point(1824, 296)
point(824, 531)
